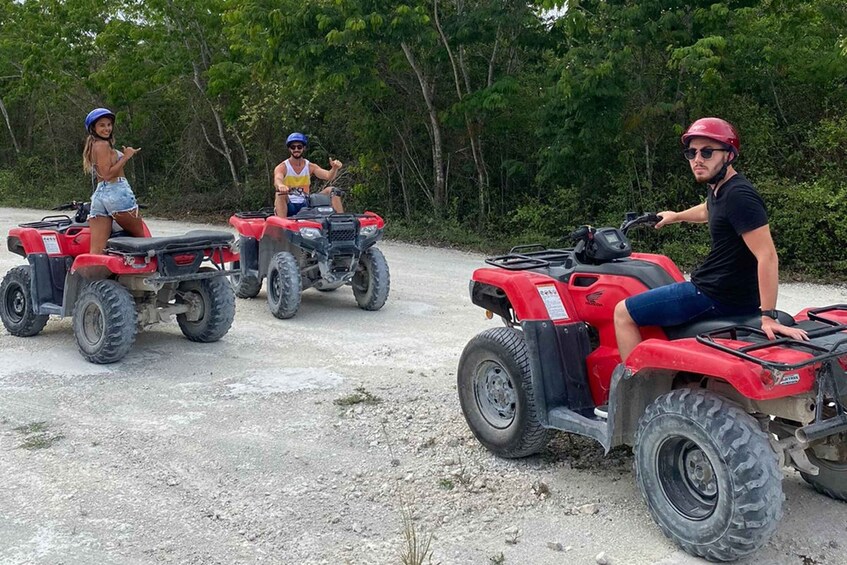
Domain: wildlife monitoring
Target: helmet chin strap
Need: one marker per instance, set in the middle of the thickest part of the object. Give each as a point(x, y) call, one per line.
point(719, 176)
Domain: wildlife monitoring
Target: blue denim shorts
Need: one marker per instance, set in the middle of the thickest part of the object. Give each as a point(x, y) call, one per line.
point(112, 197)
point(294, 207)
point(678, 303)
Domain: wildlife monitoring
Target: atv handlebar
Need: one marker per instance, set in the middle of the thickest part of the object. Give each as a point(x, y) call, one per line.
point(631, 221)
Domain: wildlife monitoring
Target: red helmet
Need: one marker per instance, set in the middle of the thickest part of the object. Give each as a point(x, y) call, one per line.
point(713, 128)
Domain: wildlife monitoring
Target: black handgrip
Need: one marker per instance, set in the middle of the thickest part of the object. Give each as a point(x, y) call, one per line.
point(580, 233)
point(67, 206)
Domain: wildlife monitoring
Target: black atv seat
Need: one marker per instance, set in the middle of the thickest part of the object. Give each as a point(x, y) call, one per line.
point(195, 239)
point(693, 329)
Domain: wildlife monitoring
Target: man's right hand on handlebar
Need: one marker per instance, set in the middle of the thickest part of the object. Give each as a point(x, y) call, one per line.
point(667, 218)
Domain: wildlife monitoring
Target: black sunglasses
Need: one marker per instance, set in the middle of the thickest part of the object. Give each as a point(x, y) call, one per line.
point(296, 146)
point(691, 153)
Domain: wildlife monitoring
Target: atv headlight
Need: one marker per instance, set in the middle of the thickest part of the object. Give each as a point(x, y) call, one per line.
point(367, 231)
point(310, 233)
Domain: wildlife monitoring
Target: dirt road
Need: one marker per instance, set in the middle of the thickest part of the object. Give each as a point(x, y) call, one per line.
point(255, 449)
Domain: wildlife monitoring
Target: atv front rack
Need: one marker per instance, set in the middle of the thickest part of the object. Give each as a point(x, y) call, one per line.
point(56, 222)
point(535, 256)
point(263, 214)
point(830, 378)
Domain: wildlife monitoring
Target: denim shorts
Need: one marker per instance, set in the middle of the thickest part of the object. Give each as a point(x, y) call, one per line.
point(294, 207)
point(112, 197)
point(679, 303)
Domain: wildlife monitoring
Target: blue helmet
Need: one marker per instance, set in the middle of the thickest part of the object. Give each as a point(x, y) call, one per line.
point(95, 115)
point(296, 136)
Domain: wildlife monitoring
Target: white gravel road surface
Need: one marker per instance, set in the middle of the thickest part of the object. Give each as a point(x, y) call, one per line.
point(236, 452)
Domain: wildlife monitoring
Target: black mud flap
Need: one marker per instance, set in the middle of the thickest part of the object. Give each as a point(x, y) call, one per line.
point(557, 361)
point(48, 282)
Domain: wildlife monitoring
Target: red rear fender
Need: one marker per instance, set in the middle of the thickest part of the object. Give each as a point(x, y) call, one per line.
point(112, 264)
point(748, 378)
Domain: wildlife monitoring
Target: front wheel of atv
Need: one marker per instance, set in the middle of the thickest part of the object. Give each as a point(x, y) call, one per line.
point(16, 307)
point(104, 321)
point(284, 285)
point(708, 474)
point(831, 479)
point(372, 280)
point(245, 286)
point(212, 304)
point(496, 394)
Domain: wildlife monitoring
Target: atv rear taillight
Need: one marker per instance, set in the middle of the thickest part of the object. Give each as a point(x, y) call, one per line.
point(184, 259)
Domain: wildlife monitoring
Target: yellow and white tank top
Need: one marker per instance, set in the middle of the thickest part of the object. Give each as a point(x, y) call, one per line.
point(297, 182)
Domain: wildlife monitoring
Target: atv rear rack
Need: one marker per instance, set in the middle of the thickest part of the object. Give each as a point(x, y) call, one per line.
point(535, 256)
point(830, 378)
point(820, 353)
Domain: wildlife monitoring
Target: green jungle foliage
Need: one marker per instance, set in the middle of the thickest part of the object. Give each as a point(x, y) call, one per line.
point(481, 123)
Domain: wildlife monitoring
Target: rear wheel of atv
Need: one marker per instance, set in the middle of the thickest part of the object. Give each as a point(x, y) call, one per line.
point(496, 394)
point(213, 308)
point(708, 474)
point(283, 285)
point(104, 321)
point(246, 286)
point(831, 480)
point(16, 307)
point(372, 281)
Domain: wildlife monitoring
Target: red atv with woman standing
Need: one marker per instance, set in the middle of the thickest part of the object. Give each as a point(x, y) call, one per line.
point(136, 283)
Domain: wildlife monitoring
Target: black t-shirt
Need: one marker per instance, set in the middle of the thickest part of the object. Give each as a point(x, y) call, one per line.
point(729, 274)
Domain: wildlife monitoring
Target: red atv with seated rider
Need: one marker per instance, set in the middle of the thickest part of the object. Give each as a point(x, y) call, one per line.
point(138, 282)
point(712, 408)
point(318, 248)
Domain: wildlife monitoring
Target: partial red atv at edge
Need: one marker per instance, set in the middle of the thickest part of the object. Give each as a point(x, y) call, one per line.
point(138, 282)
point(712, 409)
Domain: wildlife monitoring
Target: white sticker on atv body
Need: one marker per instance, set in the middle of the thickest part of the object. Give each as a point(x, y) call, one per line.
point(553, 302)
point(51, 244)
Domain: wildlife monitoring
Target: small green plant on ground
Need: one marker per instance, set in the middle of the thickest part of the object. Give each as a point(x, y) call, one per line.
point(446, 484)
point(498, 559)
point(37, 435)
point(359, 396)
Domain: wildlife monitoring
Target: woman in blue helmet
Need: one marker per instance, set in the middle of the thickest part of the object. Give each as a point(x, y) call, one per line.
point(113, 198)
point(292, 178)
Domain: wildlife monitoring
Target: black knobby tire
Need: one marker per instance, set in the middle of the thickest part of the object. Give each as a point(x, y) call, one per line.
point(246, 286)
point(284, 285)
point(372, 281)
point(831, 479)
point(16, 308)
point(105, 321)
point(708, 473)
point(497, 396)
point(215, 299)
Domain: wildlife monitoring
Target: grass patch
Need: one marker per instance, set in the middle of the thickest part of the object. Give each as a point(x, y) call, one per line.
point(32, 428)
point(359, 396)
point(37, 435)
point(446, 484)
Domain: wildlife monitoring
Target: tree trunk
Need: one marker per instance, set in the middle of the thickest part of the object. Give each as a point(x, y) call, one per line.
point(437, 145)
point(9, 127)
point(472, 128)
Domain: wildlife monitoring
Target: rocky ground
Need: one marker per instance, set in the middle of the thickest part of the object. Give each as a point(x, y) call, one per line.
point(334, 437)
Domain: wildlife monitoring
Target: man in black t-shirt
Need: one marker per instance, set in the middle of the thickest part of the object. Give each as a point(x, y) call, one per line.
point(741, 273)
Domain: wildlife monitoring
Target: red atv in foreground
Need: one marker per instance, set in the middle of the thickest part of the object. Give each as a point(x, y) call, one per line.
point(316, 248)
point(712, 409)
point(138, 282)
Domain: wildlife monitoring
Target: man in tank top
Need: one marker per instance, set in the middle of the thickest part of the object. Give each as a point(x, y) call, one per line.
point(292, 178)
